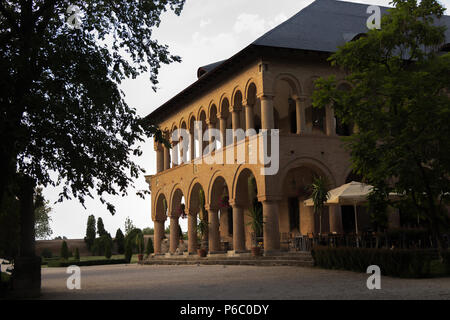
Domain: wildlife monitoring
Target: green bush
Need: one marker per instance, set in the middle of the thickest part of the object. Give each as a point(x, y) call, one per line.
point(149, 250)
point(108, 250)
point(128, 251)
point(398, 263)
point(64, 250)
point(46, 253)
point(77, 254)
point(55, 264)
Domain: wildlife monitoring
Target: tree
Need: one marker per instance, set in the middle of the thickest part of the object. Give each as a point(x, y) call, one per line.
point(120, 241)
point(319, 192)
point(149, 249)
point(128, 250)
point(42, 219)
point(399, 100)
point(108, 250)
point(100, 227)
point(129, 226)
point(77, 254)
point(61, 106)
point(64, 253)
point(148, 231)
point(90, 232)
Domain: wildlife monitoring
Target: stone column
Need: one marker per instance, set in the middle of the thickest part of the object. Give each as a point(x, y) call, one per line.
point(158, 235)
point(159, 157)
point(213, 230)
point(267, 119)
point(166, 158)
point(175, 154)
point(238, 228)
point(335, 217)
point(236, 121)
point(300, 106)
point(174, 239)
point(271, 226)
point(249, 117)
point(192, 145)
point(223, 130)
point(212, 143)
point(329, 117)
point(192, 232)
point(312, 220)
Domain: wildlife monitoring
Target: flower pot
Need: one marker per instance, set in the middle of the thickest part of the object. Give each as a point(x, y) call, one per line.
point(256, 251)
point(140, 257)
point(201, 253)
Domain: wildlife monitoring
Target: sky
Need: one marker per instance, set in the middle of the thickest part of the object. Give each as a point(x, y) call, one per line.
point(206, 31)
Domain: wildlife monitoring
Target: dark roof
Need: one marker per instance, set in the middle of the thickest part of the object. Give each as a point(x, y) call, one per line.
point(202, 70)
point(322, 26)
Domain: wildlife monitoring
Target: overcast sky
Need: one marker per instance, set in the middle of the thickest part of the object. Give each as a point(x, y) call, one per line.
point(206, 31)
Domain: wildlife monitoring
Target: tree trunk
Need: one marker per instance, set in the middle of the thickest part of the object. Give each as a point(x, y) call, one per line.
point(27, 267)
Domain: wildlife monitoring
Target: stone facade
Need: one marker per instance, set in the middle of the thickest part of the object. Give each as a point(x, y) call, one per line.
point(272, 92)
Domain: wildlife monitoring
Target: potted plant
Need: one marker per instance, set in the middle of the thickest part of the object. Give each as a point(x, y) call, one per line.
point(320, 195)
point(202, 226)
point(256, 217)
point(256, 223)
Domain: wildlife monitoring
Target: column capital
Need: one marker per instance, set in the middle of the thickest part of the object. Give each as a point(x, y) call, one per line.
point(301, 97)
point(266, 96)
point(235, 108)
point(209, 207)
point(210, 122)
point(269, 198)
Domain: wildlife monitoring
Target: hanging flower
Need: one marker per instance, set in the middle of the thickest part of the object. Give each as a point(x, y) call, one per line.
point(182, 212)
point(223, 202)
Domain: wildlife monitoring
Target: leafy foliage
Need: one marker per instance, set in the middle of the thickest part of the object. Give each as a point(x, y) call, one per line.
point(90, 232)
point(42, 219)
point(319, 192)
point(120, 241)
point(64, 253)
point(399, 100)
point(149, 249)
point(100, 227)
point(129, 226)
point(61, 107)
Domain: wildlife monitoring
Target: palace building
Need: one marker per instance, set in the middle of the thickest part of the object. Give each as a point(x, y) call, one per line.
point(267, 85)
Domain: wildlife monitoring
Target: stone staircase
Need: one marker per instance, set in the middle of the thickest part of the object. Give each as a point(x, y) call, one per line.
point(298, 259)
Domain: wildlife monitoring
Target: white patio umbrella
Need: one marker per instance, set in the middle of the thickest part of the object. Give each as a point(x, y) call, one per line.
point(352, 193)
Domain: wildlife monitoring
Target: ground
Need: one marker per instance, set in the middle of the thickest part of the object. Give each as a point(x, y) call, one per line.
point(232, 282)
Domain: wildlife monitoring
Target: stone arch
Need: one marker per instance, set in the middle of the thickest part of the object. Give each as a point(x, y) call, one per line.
point(192, 195)
point(306, 162)
point(215, 180)
point(238, 184)
point(160, 213)
point(236, 94)
point(176, 198)
point(191, 120)
point(291, 80)
point(251, 89)
point(286, 88)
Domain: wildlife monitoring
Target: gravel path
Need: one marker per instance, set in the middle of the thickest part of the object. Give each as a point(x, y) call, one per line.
point(232, 282)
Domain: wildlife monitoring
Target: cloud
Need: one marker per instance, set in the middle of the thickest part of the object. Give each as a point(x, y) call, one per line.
point(249, 23)
point(205, 22)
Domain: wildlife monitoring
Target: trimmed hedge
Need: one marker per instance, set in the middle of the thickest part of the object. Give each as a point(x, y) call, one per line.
point(53, 264)
point(397, 263)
